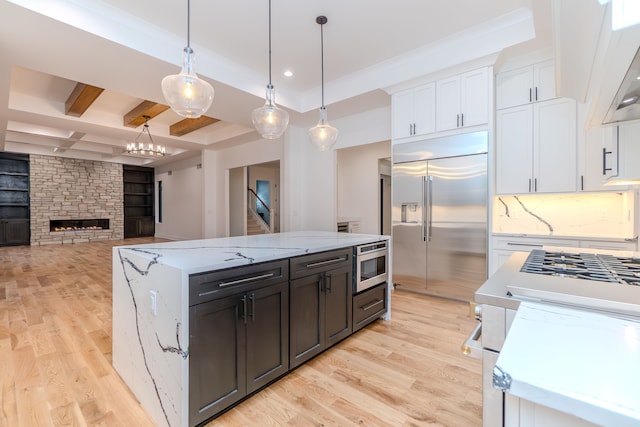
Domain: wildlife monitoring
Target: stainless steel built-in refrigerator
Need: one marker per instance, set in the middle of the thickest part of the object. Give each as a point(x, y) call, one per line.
point(439, 219)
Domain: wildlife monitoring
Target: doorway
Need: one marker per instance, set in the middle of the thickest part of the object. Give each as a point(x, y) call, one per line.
point(384, 169)
point(254, 199)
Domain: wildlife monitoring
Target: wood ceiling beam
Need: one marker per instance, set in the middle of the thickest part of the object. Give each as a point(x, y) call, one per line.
point(185, 126)
point(134, 118)
point(81, 99)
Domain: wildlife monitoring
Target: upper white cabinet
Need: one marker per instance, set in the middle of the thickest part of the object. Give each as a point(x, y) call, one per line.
point(598, 159)
point(536, 148)
point(629, 153)
point(534, 83)
point(462, 100)
point(414, 111)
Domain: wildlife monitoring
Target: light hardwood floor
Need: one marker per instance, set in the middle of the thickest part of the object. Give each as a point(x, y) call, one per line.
point(55, 357)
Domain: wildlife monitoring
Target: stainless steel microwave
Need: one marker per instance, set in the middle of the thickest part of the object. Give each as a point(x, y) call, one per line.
point(372, 265)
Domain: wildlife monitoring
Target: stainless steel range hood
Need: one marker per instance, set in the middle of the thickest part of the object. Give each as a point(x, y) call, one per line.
point(626, 103)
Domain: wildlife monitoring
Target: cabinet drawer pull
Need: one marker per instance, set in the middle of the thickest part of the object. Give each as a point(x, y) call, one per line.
point(244, 308)
point(237, 282)
point(252, 300)
point(524, 244)
point(329, 261)
point(371, 305)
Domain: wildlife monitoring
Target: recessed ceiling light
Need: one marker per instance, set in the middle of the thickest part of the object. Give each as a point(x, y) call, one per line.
point(287, 73)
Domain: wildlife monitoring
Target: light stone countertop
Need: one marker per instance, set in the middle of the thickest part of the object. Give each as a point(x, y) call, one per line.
point(578, 362)
point(196, 256)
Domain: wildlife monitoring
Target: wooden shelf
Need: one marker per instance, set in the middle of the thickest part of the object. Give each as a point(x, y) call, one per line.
point(15, 173)
point(138, 204)
point(14, 196)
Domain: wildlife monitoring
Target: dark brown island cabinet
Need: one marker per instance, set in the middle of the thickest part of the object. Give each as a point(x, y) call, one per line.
point(239, 334)
point(321, 302)
point(139, 211)
point(250, 325)
point(14, 199)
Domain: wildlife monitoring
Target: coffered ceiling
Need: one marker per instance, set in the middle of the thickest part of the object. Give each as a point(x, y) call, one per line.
point(123, 49)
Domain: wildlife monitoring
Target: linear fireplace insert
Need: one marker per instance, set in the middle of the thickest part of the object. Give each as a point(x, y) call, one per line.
point(78, 224)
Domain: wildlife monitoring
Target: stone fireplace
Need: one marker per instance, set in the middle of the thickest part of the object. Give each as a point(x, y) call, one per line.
point(84, 197)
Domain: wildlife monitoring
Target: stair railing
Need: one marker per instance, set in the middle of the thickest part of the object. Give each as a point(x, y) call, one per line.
point(264, 216)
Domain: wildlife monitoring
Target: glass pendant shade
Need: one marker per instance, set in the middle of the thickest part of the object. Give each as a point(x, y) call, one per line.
point(186, 93)
point(269, 120)
point(323, 136)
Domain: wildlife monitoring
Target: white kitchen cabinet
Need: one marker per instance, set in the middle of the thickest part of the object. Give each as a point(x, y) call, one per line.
point(413, 111)
point(598, 159)
point(536, 148)
point(533, 83)
point(462, 100)
point(504, 246)
point(626, 245)
point(629, 153)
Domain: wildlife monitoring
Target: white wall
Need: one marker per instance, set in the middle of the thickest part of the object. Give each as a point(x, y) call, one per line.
point(359, 184)
point(308, 184)
point(215, 190)
point(237, 179)
point(311, 175)
point(181, 199)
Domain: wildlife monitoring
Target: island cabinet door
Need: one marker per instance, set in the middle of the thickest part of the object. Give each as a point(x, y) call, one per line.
point(338, 305)
point(217, 354)
point(267, 335)
point(307, 320)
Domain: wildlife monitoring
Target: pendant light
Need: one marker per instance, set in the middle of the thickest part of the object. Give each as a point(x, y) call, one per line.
point(269, 120)
point(187, 94)
point(323, 136)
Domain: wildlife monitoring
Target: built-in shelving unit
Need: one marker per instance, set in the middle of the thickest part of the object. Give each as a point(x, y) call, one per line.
point(138, 201)
point(14, 199)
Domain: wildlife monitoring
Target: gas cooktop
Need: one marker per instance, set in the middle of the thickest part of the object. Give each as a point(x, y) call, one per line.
point(588, 266)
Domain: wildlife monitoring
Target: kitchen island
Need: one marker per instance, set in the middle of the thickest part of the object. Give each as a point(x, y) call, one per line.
point(154, 289)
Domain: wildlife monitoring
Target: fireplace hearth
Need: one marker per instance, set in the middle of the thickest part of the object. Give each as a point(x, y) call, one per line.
point(78, 224)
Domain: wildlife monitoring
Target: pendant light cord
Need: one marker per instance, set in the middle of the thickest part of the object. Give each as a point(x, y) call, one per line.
point(322, 61)
point(270, 85)
point(189, 25)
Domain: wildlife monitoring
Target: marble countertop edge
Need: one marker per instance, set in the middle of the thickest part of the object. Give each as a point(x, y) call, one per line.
point(196, 256)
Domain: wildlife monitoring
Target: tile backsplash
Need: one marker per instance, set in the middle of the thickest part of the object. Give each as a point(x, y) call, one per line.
point(609, 215)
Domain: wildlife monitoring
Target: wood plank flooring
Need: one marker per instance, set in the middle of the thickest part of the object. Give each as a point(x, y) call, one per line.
point(55, 357)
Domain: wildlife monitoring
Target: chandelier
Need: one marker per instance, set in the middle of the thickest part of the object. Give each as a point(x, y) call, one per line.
point(139, 146)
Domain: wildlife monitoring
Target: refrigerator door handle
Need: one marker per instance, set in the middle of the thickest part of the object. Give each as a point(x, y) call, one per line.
point(429, 207)
point(423, 228)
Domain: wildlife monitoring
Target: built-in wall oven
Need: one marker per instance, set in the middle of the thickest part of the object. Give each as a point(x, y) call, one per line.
point(371, 265)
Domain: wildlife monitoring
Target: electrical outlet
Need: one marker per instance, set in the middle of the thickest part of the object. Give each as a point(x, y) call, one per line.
point(154, 302)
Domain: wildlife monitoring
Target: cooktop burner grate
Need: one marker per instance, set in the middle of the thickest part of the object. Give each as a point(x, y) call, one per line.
point(600, 267)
